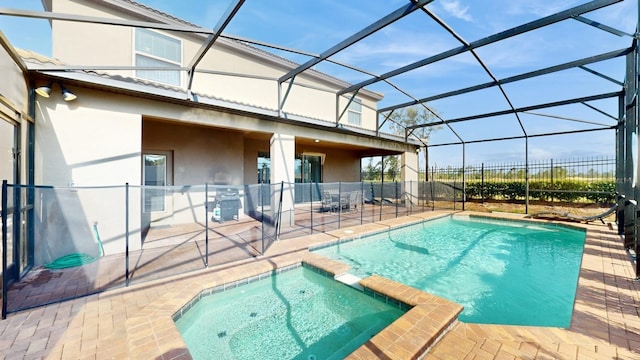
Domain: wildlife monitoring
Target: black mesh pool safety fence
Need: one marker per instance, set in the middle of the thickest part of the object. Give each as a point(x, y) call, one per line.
point(75, 241)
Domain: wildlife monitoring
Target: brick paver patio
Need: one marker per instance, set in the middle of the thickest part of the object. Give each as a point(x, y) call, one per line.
point(135, 322)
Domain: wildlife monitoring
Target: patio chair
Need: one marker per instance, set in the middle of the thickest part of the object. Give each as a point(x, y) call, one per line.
point(355, 199)
point(329, 201)
point(565, 215)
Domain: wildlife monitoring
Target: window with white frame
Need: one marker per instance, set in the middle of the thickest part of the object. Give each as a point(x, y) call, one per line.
point(354, 113)
point(153, 49)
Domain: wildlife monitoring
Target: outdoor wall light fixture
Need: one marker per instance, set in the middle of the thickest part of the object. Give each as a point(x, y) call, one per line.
point(45, 91)
point(67, 95)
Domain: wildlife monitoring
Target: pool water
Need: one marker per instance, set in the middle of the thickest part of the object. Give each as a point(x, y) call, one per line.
point(297, 314)
point(502, 272)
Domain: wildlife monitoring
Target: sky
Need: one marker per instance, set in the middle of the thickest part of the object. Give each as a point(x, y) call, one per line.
point(316, 26)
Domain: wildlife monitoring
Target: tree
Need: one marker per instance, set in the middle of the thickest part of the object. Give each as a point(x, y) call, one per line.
point(391, 166)
point(559, 172)
point(414, 115)
point(370, 171)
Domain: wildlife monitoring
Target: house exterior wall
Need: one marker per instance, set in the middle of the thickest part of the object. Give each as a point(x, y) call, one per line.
point(14, 96)
point(252, 147)
point(13, 87)
point(99, 139)
point(6, 150)
point(94, 141)
point(339, 165)
point(200, 154)
point(83, 44)
point(15, 124)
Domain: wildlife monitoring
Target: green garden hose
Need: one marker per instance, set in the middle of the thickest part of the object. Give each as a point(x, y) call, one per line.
point(77, 259)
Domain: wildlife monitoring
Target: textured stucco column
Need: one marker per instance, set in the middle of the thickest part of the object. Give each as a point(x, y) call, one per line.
point(283, 157)
point(409, 175)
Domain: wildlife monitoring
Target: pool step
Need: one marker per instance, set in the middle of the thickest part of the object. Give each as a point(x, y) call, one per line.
point(350, 280)
point(360, 339)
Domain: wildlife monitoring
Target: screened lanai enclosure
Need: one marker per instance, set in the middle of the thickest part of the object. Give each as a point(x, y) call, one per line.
point(436, 83)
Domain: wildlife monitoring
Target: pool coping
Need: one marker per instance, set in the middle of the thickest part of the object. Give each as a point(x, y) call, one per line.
point(409, 336)
point(152, 332)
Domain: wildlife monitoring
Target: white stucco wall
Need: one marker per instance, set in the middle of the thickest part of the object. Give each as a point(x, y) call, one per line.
point(201, 155)
point(84, 44)
point(409, 173)
point(89, 149)
point(13, 108)
point(98, 140)
point(77, 43)
point(283, 170)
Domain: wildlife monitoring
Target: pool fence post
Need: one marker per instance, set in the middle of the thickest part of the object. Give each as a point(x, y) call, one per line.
point(381, 197)
point(424, 191)
point(126, 233)
point(339, 202)
point(482, 183)
point(636, 250)
point(552, 187)
point(455, 183)
point(410, 208)
point(279, 214)
point(397, 200)
point(526, 175)
point(361, 201)
point(206, 225)
point(4, 250)
point(261, 197)
point(433, 184)
point(311, 206)
point(634, 244)
point(464, 175)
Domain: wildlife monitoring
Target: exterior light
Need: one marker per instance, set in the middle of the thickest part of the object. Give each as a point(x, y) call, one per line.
point(316, 140)
point(68, 95)
point(44, 91)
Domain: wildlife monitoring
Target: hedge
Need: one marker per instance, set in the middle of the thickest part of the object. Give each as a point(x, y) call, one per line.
point(562, 190)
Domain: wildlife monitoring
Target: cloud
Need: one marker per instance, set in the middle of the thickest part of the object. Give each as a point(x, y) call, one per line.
point(453, 8)
point(538, 8)
point(621, 16)
point(394, 47)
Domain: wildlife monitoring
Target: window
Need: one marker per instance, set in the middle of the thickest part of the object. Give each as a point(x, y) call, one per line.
point(264, 168)
point(354, 113)
point(155, 175)
point(308, 168)
point(155, 49)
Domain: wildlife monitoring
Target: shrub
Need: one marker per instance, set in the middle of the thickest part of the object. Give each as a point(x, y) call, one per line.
point(561, 190)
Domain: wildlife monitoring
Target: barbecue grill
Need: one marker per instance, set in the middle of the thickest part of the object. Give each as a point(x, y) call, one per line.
point(226, 204)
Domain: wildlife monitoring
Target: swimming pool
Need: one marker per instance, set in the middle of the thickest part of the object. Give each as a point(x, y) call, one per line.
point(295, 314)
point(502, 272)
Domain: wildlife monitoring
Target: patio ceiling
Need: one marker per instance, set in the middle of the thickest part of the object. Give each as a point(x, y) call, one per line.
point(303, 141)
point(448, 66)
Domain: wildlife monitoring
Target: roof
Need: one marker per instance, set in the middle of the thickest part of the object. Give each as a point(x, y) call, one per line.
point(43, 65)
point(148, 13)
point(496, 61)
